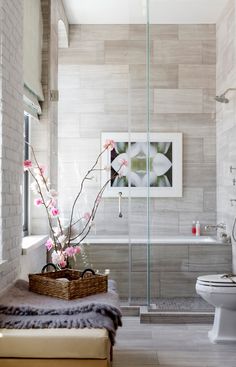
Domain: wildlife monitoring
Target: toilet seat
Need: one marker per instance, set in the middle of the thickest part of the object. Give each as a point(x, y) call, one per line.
point(217, 280)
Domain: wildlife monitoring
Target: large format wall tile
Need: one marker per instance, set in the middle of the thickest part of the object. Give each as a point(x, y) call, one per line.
point(162, 76)
point(102, 85)
point(197, 76)
point(198, 32)
point(93, 125)
point(199, 175)
point(177, 52)
point(221, 258)
point(99, 32)
point(209, 52)
point(125, 52)
point(164, 31)
point(178, 100)
point(192, 200)
point(163, 258)
point(86, 52)
point(193, 149)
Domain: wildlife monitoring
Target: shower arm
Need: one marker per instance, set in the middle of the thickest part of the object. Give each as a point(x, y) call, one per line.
point(227, 90)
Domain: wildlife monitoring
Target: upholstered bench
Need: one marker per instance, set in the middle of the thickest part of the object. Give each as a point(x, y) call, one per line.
point(54, 348)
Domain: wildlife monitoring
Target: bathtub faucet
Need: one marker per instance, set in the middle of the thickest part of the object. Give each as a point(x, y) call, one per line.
point(217, 226)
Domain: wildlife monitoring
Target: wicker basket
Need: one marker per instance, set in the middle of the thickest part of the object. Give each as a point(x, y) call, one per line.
point(68, 284)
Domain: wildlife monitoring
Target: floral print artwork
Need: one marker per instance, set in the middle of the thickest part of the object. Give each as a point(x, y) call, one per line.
point(135, 172)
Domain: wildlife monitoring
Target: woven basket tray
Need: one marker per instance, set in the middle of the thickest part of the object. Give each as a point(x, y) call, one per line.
point(68, 284)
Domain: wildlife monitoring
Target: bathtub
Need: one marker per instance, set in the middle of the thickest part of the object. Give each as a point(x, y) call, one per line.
point(161, 240)
point(175, 263)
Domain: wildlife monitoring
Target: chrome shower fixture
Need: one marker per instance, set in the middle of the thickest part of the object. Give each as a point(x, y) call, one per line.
point(222, 98)
point(120, 213)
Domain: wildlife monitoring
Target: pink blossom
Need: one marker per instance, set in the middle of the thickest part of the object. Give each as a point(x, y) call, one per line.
point(77, 250)
point(87, 216)
point(109, 144)
point(62, 263)
point(70, 251)
point(54, 212)
point(27, 164)
point(124, 162)
point(49, 244)
point(38, 202)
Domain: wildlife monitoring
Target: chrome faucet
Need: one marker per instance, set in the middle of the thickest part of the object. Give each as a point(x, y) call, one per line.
point(217, 226)
point(225, 238)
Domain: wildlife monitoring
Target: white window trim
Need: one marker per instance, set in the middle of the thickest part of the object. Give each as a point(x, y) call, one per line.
point(32, 242)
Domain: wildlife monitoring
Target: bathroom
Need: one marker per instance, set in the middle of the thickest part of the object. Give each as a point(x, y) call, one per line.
point(154, 82)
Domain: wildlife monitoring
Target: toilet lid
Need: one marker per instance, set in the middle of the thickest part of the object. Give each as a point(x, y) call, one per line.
point(218, 279)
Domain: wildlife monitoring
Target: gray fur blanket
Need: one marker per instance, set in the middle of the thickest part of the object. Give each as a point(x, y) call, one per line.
point(22, 309)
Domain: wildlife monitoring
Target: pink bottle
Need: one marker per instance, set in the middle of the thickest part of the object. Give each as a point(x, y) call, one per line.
point(194, 228)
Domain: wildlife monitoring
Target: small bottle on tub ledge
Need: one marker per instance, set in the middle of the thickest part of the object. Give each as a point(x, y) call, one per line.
point(194, 228)
point(198, 228)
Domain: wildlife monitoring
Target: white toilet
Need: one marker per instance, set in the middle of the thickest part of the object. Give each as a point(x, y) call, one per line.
point(220, 291)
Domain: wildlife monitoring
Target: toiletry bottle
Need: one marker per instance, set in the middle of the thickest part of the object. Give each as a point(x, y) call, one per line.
point(194, 228)
point(198, 228)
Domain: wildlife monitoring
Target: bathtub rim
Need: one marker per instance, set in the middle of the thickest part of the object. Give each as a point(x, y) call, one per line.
point(162, 240)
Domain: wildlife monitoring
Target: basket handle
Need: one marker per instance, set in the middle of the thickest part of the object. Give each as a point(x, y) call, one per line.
point(48, 264)
point(86, 270)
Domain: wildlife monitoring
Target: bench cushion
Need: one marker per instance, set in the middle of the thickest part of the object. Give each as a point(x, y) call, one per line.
point(54, 343)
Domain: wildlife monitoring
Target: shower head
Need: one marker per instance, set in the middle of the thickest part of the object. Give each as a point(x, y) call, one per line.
point(222, 98)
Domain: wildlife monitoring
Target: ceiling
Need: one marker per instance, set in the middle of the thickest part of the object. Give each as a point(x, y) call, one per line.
point(134, 11)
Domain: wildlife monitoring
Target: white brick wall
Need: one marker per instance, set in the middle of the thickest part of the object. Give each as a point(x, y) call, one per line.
point(11, 137)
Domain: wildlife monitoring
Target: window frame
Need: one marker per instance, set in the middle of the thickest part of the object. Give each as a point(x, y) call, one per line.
point(26, 177)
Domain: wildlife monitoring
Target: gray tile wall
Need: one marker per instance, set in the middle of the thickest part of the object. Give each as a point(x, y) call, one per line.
point(102, 82)
point(226, 118)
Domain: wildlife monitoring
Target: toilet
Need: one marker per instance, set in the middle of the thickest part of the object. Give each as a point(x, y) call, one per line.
point(220, 291)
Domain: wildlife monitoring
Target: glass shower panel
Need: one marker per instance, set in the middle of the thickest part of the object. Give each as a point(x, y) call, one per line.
point(105, 95)
point(181, 123)
point(138, 148)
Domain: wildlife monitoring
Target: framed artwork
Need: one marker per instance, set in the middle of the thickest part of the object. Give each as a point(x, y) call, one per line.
point(161, 157)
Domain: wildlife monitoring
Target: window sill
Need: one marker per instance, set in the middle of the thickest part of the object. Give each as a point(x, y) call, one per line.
point(30, 243)
point(3, 264)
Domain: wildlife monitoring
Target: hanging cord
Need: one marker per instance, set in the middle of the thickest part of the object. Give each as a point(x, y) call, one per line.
point(120, 213)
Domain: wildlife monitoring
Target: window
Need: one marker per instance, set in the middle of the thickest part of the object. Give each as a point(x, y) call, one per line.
point(26, 179)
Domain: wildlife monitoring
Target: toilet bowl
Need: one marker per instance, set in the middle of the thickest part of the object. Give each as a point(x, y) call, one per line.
point(220, 291)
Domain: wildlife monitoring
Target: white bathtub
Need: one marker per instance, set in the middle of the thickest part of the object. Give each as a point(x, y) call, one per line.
point(169, 240)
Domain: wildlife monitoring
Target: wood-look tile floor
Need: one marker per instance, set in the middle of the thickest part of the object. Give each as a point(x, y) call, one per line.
point(166, 345)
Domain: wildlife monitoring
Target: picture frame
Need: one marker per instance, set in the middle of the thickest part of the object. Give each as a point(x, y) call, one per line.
point(165, 164)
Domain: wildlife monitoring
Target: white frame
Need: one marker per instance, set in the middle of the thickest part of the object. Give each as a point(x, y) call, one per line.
point(175, 191)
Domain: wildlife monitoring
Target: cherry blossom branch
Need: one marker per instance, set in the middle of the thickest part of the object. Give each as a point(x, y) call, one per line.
point(44, 180)
point(95, 208)
point(44, 203)
point(79, 193)
point(96, 204)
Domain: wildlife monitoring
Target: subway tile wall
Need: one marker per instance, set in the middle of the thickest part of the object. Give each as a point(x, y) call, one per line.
point(11, 127)
point(102, 84)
